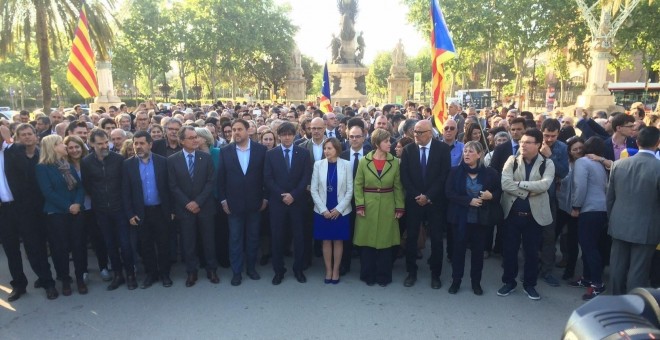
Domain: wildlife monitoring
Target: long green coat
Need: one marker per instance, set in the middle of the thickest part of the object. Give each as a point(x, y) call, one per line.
point(380, 196)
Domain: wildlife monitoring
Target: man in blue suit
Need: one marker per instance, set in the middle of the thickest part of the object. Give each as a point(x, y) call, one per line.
point(241, 194)
point(287, 172)
point(146, 201)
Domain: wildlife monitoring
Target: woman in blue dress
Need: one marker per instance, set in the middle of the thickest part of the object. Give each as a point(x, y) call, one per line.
point(332, 190)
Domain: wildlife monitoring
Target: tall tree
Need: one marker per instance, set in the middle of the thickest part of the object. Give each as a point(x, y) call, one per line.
point(20, 18)
point(379, 70)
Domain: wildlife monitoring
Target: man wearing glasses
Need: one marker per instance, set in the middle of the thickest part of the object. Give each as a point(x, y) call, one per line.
point(450, 130)
point(622, 139)
point(425, 165)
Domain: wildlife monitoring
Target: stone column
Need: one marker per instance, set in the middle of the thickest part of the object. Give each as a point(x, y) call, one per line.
point(296, 85)
point(107, 95)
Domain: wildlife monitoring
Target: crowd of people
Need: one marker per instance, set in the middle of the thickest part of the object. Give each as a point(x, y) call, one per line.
point(235, 185)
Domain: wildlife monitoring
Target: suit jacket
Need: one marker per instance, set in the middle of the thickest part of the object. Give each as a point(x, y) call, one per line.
point(438, 164)
point(501, 155)
point(279, 181)
point(160, 147)
point(21, 178)
point(58, 197)
point(535, 189)
point(309, 146)
point(199, 188)
point(459, 200)
point(243, 192)
point(44, 133)
point(633, 199)
point(133, 197)
point(631, 143)
point(336, 134)
point(344, 188)
point(347, 154)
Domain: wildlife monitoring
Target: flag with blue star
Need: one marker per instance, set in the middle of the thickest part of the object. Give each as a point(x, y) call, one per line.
point(325, 103)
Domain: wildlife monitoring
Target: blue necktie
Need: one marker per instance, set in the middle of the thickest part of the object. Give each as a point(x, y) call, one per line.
point(423, 162)
point(287, 158)
point(515, 149)
point(191, 165)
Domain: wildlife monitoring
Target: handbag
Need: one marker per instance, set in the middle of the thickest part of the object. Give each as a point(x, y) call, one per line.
point(490, 213)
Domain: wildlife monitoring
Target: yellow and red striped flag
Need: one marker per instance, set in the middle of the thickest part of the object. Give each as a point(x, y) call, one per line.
point(442, 50)
point(325, 103)
point(81, 72)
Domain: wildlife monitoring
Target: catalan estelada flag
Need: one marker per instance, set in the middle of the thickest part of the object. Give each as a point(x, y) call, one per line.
point(81, 72)
point(442, 50)
point(325, 103)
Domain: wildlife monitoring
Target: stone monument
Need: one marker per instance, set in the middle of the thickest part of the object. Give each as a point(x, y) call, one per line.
point(107, 96)
point(295, 83)
point(398, 81)
point(346, 72)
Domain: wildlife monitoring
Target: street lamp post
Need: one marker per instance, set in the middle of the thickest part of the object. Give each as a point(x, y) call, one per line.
point(499, 83)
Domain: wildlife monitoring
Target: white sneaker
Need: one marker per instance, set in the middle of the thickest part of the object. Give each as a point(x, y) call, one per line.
point(105, 275)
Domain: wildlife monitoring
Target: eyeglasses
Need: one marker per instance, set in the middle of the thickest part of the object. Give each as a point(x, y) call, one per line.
point(191, 138)
point(355, 137)
point(419, 132)
point(318, 128)
point(628, 126)
point(450, 128)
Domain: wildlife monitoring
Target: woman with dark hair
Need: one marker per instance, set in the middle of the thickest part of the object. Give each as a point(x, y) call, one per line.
point(589, 206)
point(332, 190)
point(473, 133)
point(470, 187)
point(575, 148)
point(64, 197)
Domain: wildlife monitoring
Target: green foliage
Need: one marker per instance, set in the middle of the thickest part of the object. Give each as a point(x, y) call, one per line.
point(379, 70)
point(311, 68)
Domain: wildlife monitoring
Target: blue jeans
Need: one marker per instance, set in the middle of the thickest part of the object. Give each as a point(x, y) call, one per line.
point(590, 229)
point(115, 229)
point(525, 229)
point(243, 226)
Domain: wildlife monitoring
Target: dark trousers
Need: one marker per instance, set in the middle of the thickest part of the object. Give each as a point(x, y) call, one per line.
point(549, 241)
point(191, 225)
point(29, 227)
point(590, 229)
point(154, 235)
point(473, 234)
point(655, 269)
point(94, 235)
point(376, 265)
point(264, 233)
point(244, 230)
point(525, 229)
point(222, 238)
point(499, 238)
point(436, 222)
point(66, 233)
point(282, 215)
point(630, 265)
point(348, 244)
point(572, 249)
point(115, 229)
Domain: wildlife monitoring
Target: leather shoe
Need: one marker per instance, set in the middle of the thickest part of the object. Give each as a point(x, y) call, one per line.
point(82, 287)
point(277, 279)
point(192, 278)
point(117, 281)
point(131, 282)
point(455, 286)
point(410, 280)
point(16, 294)
point(66, 288)
point(51, 293)
point(167, 282)
point(212, 276)
point(300, 277)
point(435, 283)
point(236, 280)
point(253, 275)
point(148, 282)
point(476, 288)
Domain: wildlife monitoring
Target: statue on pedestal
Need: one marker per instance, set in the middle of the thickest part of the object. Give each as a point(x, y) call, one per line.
point(398, 57)
point(297, 58)
point(335, 45)
point(359, 52)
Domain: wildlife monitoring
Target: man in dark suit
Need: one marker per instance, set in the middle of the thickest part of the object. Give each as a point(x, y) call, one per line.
point(287, 173)
point(21, 205)
point(147, 204)
point(503, 151)
point(43, 127)
point(191, 179)
point(632, 206)
point(332, 126)
point(425, 165)
point(168, 145)
point(357, 149)
point(241, 194)
point(622, 139)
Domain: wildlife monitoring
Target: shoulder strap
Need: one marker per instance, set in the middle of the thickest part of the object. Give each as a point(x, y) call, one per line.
point(541, 167)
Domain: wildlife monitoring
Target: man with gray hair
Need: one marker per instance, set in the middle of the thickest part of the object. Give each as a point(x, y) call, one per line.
point(454, 111)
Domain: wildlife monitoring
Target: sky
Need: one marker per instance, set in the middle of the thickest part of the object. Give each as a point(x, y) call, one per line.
point(382, 21)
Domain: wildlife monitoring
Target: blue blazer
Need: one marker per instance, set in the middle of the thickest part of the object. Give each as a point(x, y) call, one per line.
point(132, 195)
point(58, 198)
point(631, 143)
point(459, 201)
point(244, 192)
point(278, 180)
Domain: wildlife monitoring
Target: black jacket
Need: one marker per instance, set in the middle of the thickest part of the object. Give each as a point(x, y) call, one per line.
point(22, 179)
point(102, 181)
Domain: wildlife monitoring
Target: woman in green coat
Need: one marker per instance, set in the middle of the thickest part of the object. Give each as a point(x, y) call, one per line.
point(379, 205)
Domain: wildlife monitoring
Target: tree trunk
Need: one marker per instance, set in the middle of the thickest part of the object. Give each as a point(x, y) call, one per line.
point(44, 55)
point(561, 93)
point(182, 75)
point(213, 83)
point(150, 75)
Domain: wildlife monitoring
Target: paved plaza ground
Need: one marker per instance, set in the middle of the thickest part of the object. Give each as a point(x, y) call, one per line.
point(259, 310)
